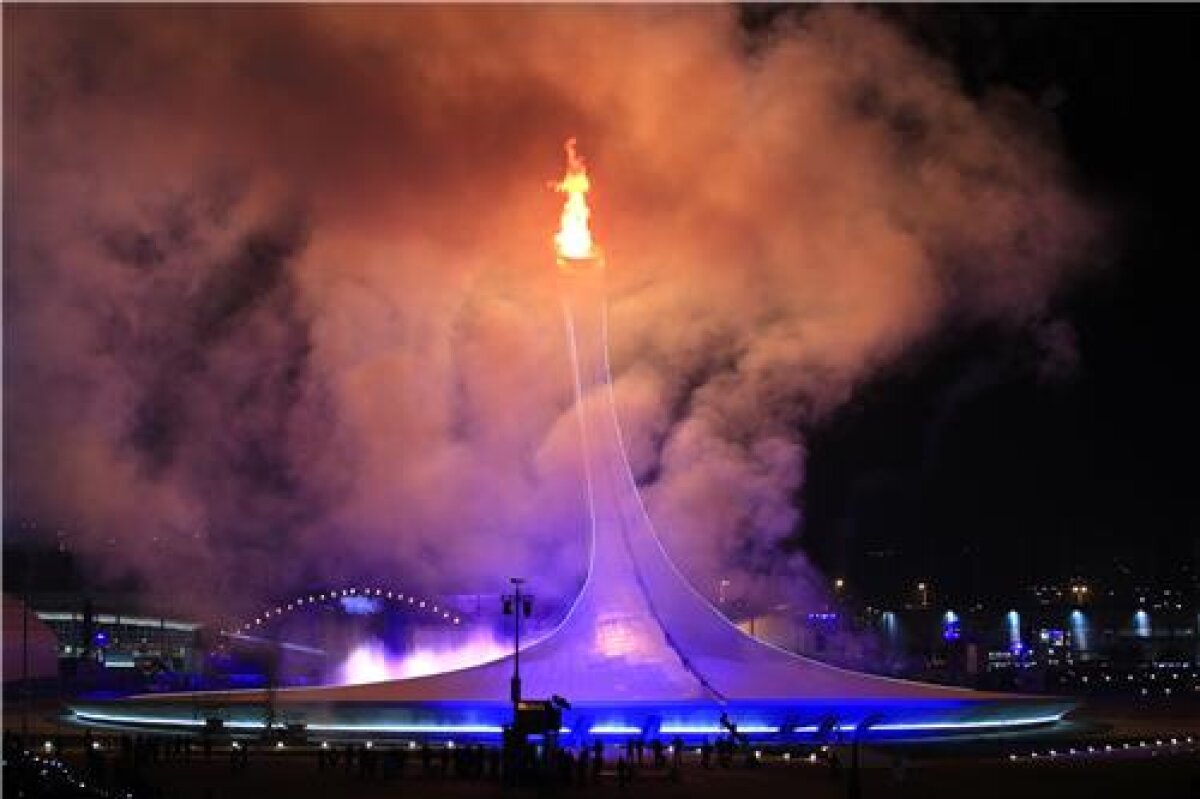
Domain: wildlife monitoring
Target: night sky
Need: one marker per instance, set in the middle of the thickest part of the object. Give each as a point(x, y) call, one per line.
point(269, 287)
point(966, 463)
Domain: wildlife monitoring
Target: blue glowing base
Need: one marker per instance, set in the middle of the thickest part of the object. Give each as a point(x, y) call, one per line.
point(484, 721)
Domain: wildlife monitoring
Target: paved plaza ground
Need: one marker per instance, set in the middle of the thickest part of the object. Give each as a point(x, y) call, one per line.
point(295, 774)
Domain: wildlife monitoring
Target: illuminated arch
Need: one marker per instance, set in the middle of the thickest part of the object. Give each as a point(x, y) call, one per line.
point(315, 598)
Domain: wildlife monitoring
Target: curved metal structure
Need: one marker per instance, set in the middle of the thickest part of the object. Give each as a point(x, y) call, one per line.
point(639, 652)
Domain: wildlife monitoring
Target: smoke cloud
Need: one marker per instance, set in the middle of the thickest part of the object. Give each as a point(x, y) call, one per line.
point(280, 301)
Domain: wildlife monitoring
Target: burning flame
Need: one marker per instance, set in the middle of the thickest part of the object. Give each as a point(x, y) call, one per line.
point(573, 239)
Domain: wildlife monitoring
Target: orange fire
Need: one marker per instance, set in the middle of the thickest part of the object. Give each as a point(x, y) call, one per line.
point(574, 240)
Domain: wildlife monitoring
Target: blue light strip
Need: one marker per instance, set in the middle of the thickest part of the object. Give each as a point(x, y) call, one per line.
point(462, 729)
point(603, 729)
point(926, 726)
point(465, 729)
point(716, 729)
point(105, 718)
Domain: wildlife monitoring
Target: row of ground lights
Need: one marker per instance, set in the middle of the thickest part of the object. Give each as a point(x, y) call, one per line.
point(1097, 749)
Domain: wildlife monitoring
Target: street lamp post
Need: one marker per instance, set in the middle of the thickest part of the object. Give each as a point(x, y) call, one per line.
point(517, 605)
point(26, 691)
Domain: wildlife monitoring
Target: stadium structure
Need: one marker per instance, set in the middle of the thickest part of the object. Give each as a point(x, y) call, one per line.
point(640, 652)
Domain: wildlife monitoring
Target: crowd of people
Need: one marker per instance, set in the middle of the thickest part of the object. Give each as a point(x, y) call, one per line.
point(120, 764)
point(518, 761)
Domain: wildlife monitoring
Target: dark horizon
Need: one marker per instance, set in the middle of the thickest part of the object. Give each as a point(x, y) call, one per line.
point(989, 458)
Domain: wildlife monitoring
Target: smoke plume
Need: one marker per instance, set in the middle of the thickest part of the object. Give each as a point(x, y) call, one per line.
point(280, 300)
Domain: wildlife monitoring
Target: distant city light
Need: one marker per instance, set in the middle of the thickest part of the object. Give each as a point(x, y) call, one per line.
point(1013, 621)
point(951, 628)
point(1080, 630)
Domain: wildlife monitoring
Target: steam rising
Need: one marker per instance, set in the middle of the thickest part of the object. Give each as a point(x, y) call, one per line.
point(280, 297)
point(372, 662)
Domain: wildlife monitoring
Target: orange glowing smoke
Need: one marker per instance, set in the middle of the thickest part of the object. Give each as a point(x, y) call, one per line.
point(574, 240)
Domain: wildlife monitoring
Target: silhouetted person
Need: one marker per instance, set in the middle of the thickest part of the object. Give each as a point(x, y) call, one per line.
point(725, 753)
point(493, 756)
point(899, 769)
point(566, 767)
point(706, 754)
point(597, 760)
point(96, 770)
point(835, 764)
point(582, 765)
point(510, 757)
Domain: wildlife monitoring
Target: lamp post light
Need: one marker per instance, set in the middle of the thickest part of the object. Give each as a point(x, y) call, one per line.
point(1080, 592)
point(516, 605)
